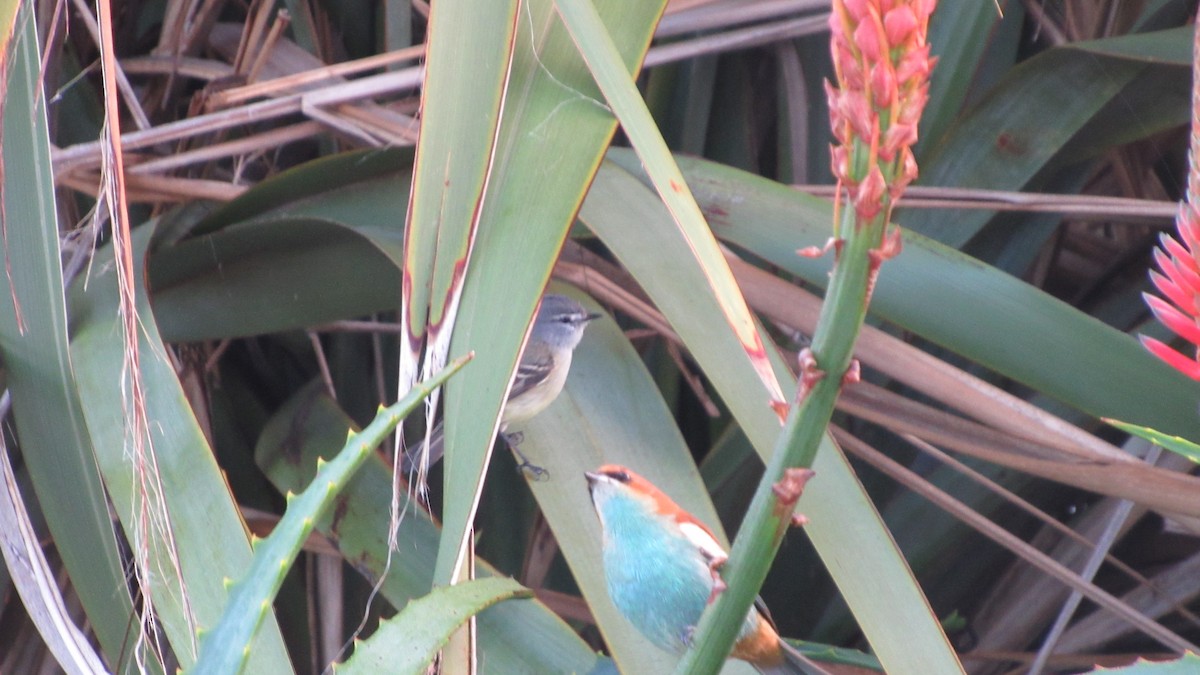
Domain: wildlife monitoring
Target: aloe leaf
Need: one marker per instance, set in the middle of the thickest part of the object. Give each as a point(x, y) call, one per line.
point(513, 637)
point(409, 642)
point(226, 647)
point(1182, 666)
point(1180, 446)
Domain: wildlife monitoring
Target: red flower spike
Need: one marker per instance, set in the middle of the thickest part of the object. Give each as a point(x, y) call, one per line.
point(869, 200)
point(1181, 324)
point(882, 63)
point(857, 9)
point(867, 39)
point(1189, 228)
point(1178, 271)
point(1171, 290)
point(900, 23)
point(1174, 249)
point(1189, 367)
point(883, 86)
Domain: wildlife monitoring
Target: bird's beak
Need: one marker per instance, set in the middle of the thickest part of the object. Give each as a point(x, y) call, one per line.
point(592, 317)
point(594, 479)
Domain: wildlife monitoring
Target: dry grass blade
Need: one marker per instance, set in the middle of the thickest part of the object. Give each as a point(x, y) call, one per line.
point(1147, 586)
point(725, 14)
point(791, 305)
point(1009, 541)
point(292, 83)
point(1164, 491)
point(152, 520)
point(1079, 207)
point(1178, 584)
point(88, 155)
point(1104, 543)
point(267, 140)
point(126, 89)
point(741, 38)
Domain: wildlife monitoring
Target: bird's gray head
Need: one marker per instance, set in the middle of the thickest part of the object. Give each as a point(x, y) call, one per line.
point(560, 321)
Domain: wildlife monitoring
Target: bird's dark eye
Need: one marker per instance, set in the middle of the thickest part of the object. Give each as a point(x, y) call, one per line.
point(619, 476)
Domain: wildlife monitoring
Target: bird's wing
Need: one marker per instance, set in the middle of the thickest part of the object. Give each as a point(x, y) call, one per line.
point(702, 537)
point(532, 371)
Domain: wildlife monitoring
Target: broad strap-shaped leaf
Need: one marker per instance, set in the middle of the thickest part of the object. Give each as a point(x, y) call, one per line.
point(1008, 139)
point(202, 511)
point(272, 275)
point(961, 304)
point(35, 582)
point(603, 59)
point(460, 115)
point(49, 416)
point(843, 524)
point(553, 133)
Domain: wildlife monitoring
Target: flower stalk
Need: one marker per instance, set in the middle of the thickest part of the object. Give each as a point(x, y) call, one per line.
point(882, 64)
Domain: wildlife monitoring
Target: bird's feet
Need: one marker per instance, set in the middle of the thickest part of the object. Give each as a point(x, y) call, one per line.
point(524, 466)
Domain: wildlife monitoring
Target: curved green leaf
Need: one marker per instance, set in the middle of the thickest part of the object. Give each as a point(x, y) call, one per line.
point(553, 134)
point(1008, 138)
point(226, 647)
point(513, 637)
point(961, 304)
point(844, 526)
point(273, 275)
point(47, 409)
point(609, 412)
point(202, 511)
point(409, 642)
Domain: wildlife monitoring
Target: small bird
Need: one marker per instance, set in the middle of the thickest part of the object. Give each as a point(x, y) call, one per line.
point(541, 373)
point(661, 563)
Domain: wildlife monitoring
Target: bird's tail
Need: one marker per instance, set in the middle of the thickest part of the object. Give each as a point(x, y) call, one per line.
point(794, 663)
